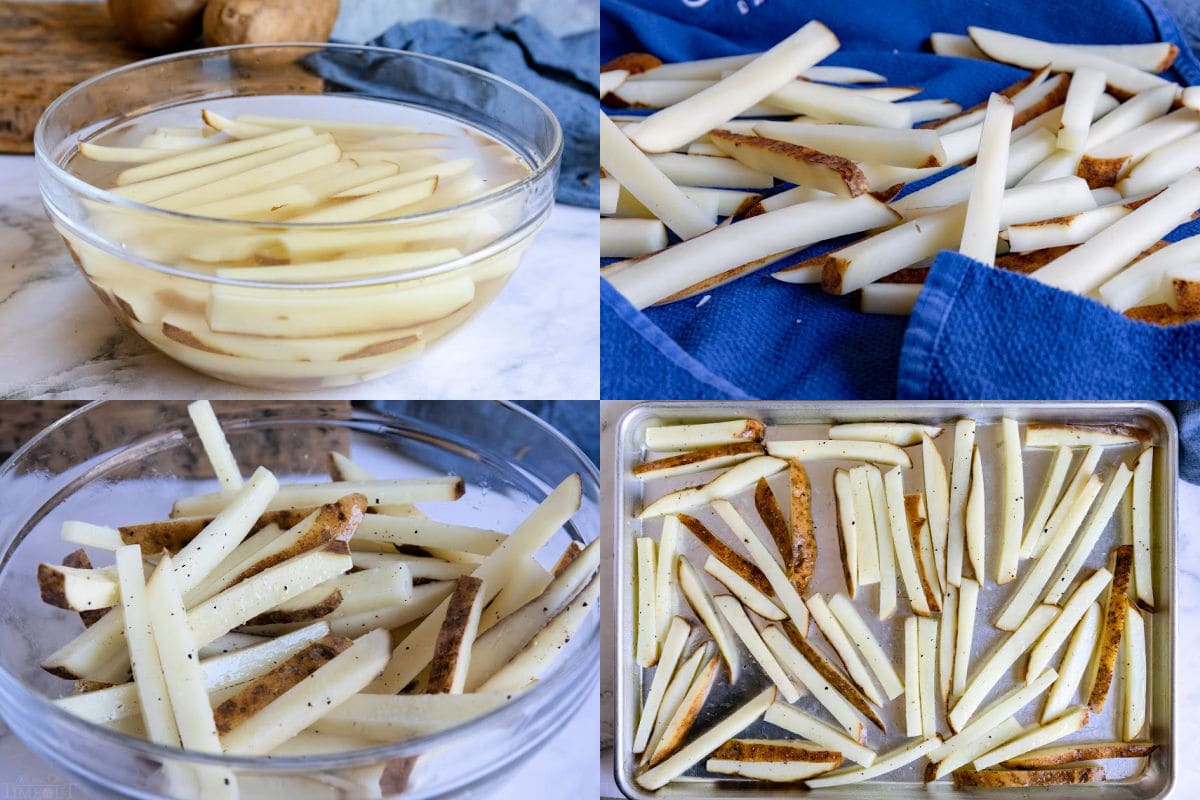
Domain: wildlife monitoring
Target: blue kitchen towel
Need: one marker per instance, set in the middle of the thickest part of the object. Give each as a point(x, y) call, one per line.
point(561, 72)
point(760, 338)
point(1187, 414)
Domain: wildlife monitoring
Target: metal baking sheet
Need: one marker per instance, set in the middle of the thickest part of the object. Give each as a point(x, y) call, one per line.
point(1138, 780)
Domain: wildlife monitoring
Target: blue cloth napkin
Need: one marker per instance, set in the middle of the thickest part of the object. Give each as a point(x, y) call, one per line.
point(561, 72)
point(976, 332)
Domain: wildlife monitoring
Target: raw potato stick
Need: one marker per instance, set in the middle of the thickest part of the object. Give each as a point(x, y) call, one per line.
point(814, 730)
point(677, 636)
point(452, 653)
point(947, 643)
point(303, 495)
point(901, 434)
point(1055, 755)
point(922, 548)
point(750, 597)
point(772, 518)
point(903, 148)
point(722, 455)
point(833, 632)
point(786, 593)
point(1005, 706)
point(1072, 612)
point(623, 161)
point(847, 528)
point(902, 541)
point(833, 676)
point(960, 483)
point(802, 526)
point(1009, 778)
point(212, 155)
point(148, 676)
point(1087, 85)
point(840, 449)
point(1074, 720)
point(701, 601)
point(982, 223)
point(826, 694)
point(927, 641)
point(216, 447)
point(1081, 476)
point(885, 548)
point(627, 238)
point(736, 562)
point(967, 752)
point(1143, 567)
point(664, 596)
point(865, 535)
point(726, 484)
point(793, 163)
point(1074, 663)
point(1114, 626)
point(937, 502)
point(847, 615)
point(745, 630)
point(1012, 502)
point(705, 743)
point(887, 762)
point(1134, 677)
point(1051, 491)
point(974, 527)
point(912, 678)
point(709, 434)
point(750, 84)
point(1083, 435)
point(968, 598)
point(676, 690)
point(647, 620)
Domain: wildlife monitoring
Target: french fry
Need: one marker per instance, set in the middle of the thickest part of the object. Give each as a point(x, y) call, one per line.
point(968, 598)
point(676, 638)
point(1055, 755)
point(705, 743)
point(701, 601)
point(1134, 677)
point(847, 527)
point(866, 537)
point(452, 654)
point(1105, 661)
point(997, 664)
point(901, 434)
point(902, 148)
point(835, 634)
point(793, 163)
point(1069, 229)
point(735, 562)
point(800, 489)
point(724, 485)
point(778, 761)
point(772, 518)
point(968, 751)
point(887, 762)
point(948, 633)
point(1084, 268)
point(937, 503)
point(825, 693)
point(394, 718)
point(691, 170)
point(784, 590)
point(750, 84)
point(212, 155)
point(997, 778)
point(1048, 499)
point(1034, 583)
point(1160, 166)
point(1073, 720)
point(1073, 611)
point(1012, 502)
point(927, 643)
point(1074, 663)
point(833, 676)
point(677, 689)
point(153, 698)
point(701, 460)
point(796, 721)
point(691, 437)
point(1142, 529)
point(400, 531)
point(906, 560)
point(681, 722)
point(1114, 490)
point(836, 104)
point(1004, 707)
point(975, 518)
point(78, 589)
point(884, 546)
point(216, 447)
point(825, 449)
point(647, 618)
point(1145, 281)
point(848, 617)
point(1087, 85)
point(735, 615)
point(86, 534)
point(981, 225)
point(623, 161)
point(922, 548)
point(1083, 472)
point(1106, 163)
point(664, 575)
point(304, 495)
point(912, 678)
point(750, 597)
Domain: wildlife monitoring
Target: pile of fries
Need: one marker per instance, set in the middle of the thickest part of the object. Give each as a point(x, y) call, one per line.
point(296, 619)
point(1072, 175)
point(929, 548)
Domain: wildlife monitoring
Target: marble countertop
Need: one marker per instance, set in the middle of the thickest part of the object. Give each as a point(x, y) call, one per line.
point(539, 339)
point(1187, 622)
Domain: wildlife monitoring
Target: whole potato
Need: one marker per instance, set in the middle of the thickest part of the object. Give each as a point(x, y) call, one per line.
point(258, 21)
point(158, 25)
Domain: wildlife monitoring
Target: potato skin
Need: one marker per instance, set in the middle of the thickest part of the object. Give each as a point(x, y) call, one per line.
point(157, 25)
point(229, 22)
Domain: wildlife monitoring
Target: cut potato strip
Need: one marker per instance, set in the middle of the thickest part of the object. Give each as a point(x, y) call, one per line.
point(902, 148)
point(622, 160)
point(998, 662)
point(1012, 502)
point(866, 537)
point(1106, 163)
point(680, 724)
point(529, 664)
point(343, 268)
point(803, 534)
point(974, 527)
point(700, 460)
point(1114, 490)
point(303, 495)
point(948, 633)
point(709, 434)
point(837, 104)
point(1087, 86)
point(896, 299)
point(1084, 268)
point(912, 678)
point(901, 434)
point(833, 676)
point(664, 574)
point(750, 597)
point(796, 721)
point(1006, 706)
point(1142, 530)
point(1161, 166)
point(1070, 722)
point(86, 534)
point(212, 155)
point(840, 449)
point(750, 84)
point(78, 589)
point(825, 693)
point(153, 698)
point(695, 263)
point(1069, 229)
point(927, 642)
point(937, 502)
point(847, 528)
point(887, 762)
point(743, 567)
point(394, 530)
point(981, 225)
point(784, 590)
point(452, 653)
point(997, 778)
point(794, 163)
point(701, 601)
point(647, 618)
point(1134, 675)
point(705, 743)
point(414, 652)
point(968, 599)
point(906, 561)
point(1073, 611)
point(312, 698)
point(1105, 661)
point(1082, 474)
point(395, 718)
point(677, 636)
point(854, 626)
point(1055, 755)
point(1145, 281)
point(922, 547)
point(1048, 499)
point(1032, 54)
point(1074, 663)
point(767, 506)
point(726, 484)
point(783, 771)
point(736, 616)
point(373, 206)
point(677, 689)
point(884, 546)
point(441, 170)
point(216, 447)
point(967, 752)
point(836, 636)
point(710, 171)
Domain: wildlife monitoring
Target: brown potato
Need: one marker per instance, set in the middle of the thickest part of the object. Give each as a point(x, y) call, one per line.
point(261, 21)
point(633, 63)
point(157, 25)
point(1004, 778)
point(768, 511)
point(802, 526)
point(569, 554)
point(447, 663)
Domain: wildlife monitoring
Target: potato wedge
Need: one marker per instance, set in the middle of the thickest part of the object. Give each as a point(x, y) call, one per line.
point(1055, 755)
point(772, 518)
point(800, 490)
point(1114, 625)
point(1008, 778)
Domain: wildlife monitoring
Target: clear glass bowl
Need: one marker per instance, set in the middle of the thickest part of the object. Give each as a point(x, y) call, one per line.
point(119, 462)
point(156, 270)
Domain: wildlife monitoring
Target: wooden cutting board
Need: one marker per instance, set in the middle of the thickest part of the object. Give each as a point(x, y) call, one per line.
point(45, 49)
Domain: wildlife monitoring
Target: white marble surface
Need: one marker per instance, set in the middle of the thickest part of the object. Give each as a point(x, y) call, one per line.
point(1187, 616)
point(539, 339)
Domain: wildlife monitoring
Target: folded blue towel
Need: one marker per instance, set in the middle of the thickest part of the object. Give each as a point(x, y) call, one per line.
point(561, 72)
point(976, 332)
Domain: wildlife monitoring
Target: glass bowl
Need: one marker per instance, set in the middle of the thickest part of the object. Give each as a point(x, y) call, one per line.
point(183, 281)
point(118, 462)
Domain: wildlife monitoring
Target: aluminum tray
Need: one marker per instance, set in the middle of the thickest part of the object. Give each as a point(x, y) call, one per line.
point(1141, 780)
